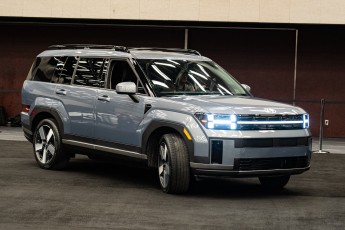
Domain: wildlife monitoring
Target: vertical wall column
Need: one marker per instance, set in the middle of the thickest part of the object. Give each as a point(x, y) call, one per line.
point(295, 71)
point(186, 39)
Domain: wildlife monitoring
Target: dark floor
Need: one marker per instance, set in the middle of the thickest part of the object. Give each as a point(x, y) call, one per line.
point(99, 195)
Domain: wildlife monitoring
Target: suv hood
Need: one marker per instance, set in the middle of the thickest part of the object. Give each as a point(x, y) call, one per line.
point(230, 105)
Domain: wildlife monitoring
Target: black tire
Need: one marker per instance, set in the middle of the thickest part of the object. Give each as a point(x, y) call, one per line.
point(274, 182)
point(173, 164)
point(47, 146)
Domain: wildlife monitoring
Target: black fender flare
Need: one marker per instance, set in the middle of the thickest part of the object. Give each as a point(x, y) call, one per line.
point(163, 126)
point(54, 113)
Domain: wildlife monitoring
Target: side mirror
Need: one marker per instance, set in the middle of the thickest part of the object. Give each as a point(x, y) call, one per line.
point(126, 88)
point(246, 87)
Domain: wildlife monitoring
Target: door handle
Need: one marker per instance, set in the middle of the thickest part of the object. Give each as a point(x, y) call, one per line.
point(103, 98)
point(61, 92)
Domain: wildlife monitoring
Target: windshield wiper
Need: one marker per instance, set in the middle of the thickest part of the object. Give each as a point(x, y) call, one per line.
point(240, 94)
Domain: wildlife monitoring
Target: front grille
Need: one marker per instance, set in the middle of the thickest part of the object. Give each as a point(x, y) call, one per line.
point(249, 164)
point(269, 122)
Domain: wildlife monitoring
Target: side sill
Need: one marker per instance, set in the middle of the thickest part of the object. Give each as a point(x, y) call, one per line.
point(105, 149)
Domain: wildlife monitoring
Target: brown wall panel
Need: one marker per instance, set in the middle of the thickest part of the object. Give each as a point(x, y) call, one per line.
point(335, 114)
point(10, 102)
point(19, 45)
point(263, 59)
point(321, 64)
point(321, 74)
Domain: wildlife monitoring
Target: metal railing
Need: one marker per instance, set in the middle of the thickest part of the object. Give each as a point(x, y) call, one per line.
point(322, 115)
point(322, 120)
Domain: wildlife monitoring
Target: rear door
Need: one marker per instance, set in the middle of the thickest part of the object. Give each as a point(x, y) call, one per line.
point(79, 97)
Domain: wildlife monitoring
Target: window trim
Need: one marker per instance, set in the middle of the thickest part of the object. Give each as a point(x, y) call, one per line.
point(77, 65)
point(72, 77)
point(108, 78)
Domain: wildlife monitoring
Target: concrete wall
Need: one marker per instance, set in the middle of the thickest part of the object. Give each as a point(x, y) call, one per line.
point(276, 11)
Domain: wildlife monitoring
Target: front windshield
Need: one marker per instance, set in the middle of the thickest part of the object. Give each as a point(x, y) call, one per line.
point(188, 77)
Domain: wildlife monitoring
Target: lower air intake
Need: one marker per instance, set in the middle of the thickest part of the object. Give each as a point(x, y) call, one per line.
point(248, 164)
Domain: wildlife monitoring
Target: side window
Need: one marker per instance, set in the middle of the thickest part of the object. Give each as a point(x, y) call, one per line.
point(67, 66)
point(90, 72)
point(120, 71)
point(57, 73)
point(44, 69)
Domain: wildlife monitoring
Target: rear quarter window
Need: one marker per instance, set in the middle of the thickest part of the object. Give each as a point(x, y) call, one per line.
point(44, 69)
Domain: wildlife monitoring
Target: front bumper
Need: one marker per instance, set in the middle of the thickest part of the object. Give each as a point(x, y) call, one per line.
point(231, 171)
point(253, 157)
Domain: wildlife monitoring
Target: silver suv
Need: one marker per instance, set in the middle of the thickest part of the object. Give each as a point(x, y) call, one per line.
point(173, 108)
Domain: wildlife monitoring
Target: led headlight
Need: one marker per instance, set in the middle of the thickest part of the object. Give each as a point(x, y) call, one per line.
point(218, 121)
point(253, 122)
point(305, 121)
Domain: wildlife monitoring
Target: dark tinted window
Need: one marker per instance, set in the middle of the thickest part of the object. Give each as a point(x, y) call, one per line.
point(175, 77)
point(44, 69)
point(65, 76)
point(90, 72)
point(57, 73)
point(120, 71)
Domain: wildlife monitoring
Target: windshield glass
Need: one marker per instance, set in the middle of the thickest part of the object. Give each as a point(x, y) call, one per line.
point(188, 77)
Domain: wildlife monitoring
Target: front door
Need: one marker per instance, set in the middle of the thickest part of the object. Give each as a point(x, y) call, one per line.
point(117, 115)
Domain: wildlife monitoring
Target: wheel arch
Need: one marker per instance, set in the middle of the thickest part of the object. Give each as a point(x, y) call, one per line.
point(152, 135)
point(43, 113)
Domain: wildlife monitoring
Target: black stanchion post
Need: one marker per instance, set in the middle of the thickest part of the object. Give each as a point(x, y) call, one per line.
point(321, 127)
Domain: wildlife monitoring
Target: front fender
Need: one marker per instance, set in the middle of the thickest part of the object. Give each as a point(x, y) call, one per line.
point(198, 146)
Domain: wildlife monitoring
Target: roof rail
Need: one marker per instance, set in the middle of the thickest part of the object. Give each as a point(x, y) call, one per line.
point(87, 46)
point(178, 50)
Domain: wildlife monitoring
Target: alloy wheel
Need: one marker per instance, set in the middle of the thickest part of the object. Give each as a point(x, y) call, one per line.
point(45, 149)
point(163, 165)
